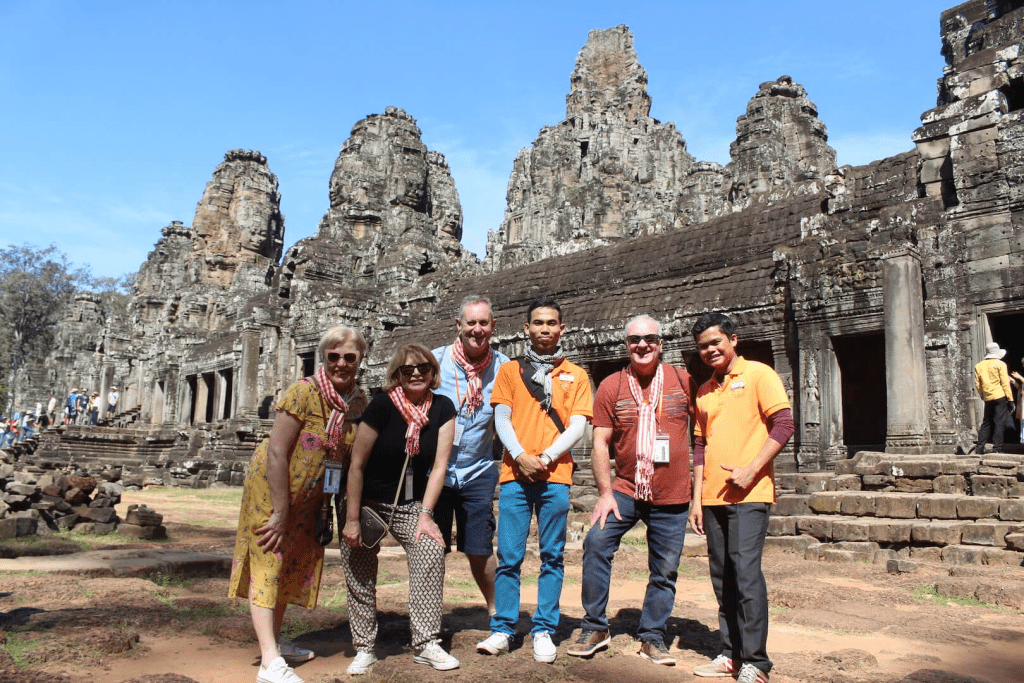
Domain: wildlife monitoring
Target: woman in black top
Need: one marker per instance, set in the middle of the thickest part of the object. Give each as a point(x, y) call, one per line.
point(408, 419)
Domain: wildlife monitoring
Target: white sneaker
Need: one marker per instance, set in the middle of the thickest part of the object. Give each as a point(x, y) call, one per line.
point(277, 672)
point(292, 652)
point(494, 644)
point(361, 664)
point(434, 655)
point(543, 649)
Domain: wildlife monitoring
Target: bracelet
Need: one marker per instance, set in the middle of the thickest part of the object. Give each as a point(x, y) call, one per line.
point(427, 511)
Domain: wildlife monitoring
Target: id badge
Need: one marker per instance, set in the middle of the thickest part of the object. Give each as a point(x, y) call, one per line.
point(332, 478)
point(661, 449)
point(408, 484)
point(458, 433)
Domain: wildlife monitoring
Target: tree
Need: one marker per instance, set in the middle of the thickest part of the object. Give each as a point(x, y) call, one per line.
point(35, 285)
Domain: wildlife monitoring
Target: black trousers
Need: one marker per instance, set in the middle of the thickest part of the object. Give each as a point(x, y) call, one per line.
point(736, 536)
point(993, 424)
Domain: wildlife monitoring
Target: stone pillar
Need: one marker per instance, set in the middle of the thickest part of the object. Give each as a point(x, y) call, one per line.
point(906, 368)
point(106, 376)
point(248, 373)
point(156, 412)
point(202, 397)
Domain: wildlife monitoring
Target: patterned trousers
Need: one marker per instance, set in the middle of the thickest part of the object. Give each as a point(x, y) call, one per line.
point(426, 581)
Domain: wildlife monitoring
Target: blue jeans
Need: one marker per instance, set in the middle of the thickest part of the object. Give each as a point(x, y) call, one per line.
point(516, 506)
point(736, 536)
point(666, 530)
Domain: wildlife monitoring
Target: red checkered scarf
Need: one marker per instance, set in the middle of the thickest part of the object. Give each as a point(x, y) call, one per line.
point(415, 417)
point(336, 422)
point(646, 430)
point(475, 392)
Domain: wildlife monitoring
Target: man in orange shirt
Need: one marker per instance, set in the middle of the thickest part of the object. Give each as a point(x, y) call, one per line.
point(743, 421)
point(541, 406)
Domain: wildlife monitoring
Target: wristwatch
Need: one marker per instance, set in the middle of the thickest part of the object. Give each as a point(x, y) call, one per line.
point(427, 511)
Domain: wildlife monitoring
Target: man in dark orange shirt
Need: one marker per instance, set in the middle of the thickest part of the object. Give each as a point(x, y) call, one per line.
point(743, 421)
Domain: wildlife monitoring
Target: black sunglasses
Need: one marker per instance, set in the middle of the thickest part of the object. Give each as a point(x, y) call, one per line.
point(422, 368)
point(649, 338)
point(334, 357)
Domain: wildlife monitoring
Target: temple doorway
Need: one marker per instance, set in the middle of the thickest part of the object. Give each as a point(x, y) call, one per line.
point(1007, 330)
point(861, 360)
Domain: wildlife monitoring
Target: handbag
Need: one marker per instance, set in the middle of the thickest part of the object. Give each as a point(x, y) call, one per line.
point(372, 527)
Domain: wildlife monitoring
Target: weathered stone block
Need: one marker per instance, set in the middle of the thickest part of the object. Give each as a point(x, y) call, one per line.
point(950, 483)
point(926, 553)
point(919, 469)
point(792, 544)
point(97, 528)
point(976, 507)
point(818, 527)
point(100, 515)
point(878, 481)
point(844, 482)
point(961, 466)
point(988, 532)
point(914, 485)
point(19, 489)
point(858, 504)
point(850, 531)
point(902, 566)
point(959, 554)
point(937, 506)
point(787, 505)
point(896, 505)
point(936, 533)
point(144, 516)
point(1011, 509)
point(990, 485)
point(889, 531)
point(825, 502)
point(781, 526)
point(1002, 557)
point(12, 527)
point(145, 532)
point(76, 496)
point(1015, 541)
point(68, 521)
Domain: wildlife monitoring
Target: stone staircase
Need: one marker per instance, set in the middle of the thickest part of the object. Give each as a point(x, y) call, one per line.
point(878, 507)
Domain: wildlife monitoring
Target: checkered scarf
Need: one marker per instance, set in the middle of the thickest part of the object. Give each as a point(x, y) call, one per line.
point(415, 417)
point(336, 422)
point(475, 392)
point(646, 430)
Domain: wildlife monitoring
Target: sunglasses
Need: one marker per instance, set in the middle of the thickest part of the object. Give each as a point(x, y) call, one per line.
point(422, 368)
point(649, 338)
point(349, 358)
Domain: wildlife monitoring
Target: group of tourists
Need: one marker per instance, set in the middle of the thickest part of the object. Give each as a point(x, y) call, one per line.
point(416, 461)
point(83, 408)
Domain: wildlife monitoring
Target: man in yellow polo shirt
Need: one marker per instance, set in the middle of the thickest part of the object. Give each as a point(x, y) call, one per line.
point(542, 403)
point(743, 421)
point(993, 384)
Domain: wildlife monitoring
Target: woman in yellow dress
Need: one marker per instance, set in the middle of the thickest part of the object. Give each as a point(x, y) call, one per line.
point(277, 559)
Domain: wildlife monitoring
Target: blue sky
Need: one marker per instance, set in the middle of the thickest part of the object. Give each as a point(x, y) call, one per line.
point(113, 115)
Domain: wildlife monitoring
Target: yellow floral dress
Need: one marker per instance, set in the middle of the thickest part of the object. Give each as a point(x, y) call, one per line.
point(291, 575)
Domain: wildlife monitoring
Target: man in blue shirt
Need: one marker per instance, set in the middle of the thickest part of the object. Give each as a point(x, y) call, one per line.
point(468, 369)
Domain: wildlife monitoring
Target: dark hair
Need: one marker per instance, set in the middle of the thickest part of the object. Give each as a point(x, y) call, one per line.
point(709, 320)
point(543, 302)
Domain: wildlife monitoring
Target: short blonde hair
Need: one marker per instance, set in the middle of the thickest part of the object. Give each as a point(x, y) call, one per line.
point(402, 354)
point(341, 335)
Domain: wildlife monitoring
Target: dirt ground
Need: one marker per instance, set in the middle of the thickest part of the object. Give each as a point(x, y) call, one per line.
point(830, 622)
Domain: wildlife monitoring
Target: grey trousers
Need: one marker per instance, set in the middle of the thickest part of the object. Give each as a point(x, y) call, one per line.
point(426, 581)
point(736, 536)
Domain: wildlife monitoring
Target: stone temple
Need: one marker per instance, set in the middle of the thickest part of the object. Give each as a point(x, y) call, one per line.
point(872, 290)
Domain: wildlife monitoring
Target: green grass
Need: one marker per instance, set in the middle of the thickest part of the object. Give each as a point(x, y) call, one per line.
point(635, 541)
point(294, 627)
point(20, 648)
point(337, 602)
point(65, 538)
point(171, 580)
point(928, 593)
point(198, 612)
